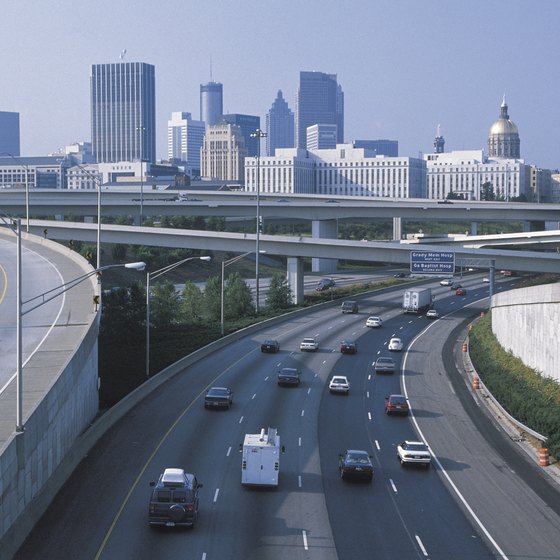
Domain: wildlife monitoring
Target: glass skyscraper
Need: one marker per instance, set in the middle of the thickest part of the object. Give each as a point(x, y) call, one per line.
point(123, 112)
point(211, 102)
point(319, 100)
point(279, 126)
point(9, 133)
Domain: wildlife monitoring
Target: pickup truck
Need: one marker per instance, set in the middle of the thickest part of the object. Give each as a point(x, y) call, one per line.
point(309, 345)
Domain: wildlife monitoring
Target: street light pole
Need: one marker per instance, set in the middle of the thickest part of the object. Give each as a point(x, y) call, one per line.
point(26, 187)
point(153, 275)
point(142, 129)
point(258, 134)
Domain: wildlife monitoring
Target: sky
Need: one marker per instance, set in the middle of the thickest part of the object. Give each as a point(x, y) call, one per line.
point(405, 66)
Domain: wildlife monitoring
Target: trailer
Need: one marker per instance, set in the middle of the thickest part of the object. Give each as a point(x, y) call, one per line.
point(417, 300)
point(260, 465)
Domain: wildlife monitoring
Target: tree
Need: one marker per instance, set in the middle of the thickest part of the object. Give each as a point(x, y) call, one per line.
point(118, 252)
point(279, 295)
point(164, 305)
point(192, 303)
point(213, 298)
point(487, 191)
point(238, 300)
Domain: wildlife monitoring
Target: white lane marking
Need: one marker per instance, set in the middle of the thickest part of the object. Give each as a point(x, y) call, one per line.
point(393, 486)
point(204, 556)
point(228, 451)
point(299, 442)
point(369, 416)
point(309, 390)
point(266, 378)
point(324, 362)
point(329, 328)
point(451, 387)
point(305, 547)
point(377, 445)
point(241, 420)
point(369, 377)
point(254, 395)
point(216, 495)
point(302, 412)
point(424, 551)
point(299, 480)
point(367, 394)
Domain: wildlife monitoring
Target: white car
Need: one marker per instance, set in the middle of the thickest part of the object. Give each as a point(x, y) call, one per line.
point(432, 314)
point(309, 345)
point(374, 322)
point(395, 345)
point(339, 384)
point(486, 280)
point(414, 452)
point(446, 282)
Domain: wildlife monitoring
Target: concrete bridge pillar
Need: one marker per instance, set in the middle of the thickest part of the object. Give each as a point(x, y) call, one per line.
point(474, 228)
point(324, 229)
point(295, 278)
point(397, 228)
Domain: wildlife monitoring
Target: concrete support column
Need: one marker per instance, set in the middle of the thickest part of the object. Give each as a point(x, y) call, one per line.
point(474, 228)
point(397, 228)
point(324, 229)
point(295, 278)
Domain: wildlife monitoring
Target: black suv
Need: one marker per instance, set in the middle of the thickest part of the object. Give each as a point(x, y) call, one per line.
point(174, 499)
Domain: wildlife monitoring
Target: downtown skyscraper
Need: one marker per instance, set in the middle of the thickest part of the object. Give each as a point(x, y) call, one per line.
point(319, 100)
point(123, 112)
point(211, 102)
point(279, 126)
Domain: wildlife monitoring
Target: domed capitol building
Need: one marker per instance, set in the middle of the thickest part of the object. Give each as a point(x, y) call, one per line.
point(503, 140)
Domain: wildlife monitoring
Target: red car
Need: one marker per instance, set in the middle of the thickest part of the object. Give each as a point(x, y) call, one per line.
point(396, 404)
point(460, 292)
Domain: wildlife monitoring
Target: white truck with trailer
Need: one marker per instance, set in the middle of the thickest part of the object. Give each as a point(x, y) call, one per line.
point(417, 300)
point(260, 464)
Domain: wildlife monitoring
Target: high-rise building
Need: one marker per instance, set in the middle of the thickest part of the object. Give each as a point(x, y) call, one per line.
point(184, 140)
point(321, 136)
point(9, 133)
point(223, 153)
point(279, 126)
point(319, 100)
point(211, 102)
point(389, 148)
point(248, 124)
point(439, 142)
point(123, 112)
point(503, 140)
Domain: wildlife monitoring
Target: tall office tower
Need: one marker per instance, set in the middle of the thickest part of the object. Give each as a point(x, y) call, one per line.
point(321, 136)
point(319, 100)
point(123, 112)
point(9, 133)
point(211, 102)
point(503, 140)
point(279, 126)
point(247, 124)
point(389, 148)
point(223, 153)
point(184, 140)
point(439, 142)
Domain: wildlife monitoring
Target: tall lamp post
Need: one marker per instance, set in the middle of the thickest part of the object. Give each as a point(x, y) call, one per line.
point(141, 129)
point(152, 276)
point(26, 187)
point(258, 134)
point(37, 301)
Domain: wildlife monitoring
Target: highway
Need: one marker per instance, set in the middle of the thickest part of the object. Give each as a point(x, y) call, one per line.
point(481, 499)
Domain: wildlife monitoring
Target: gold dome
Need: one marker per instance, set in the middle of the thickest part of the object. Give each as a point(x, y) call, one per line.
point(503, 126)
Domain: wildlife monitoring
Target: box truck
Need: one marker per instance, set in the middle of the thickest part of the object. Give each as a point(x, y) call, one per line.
point(260, 464)
point(417, 300)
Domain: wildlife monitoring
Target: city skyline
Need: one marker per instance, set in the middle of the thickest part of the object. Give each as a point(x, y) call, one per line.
point(405, 67)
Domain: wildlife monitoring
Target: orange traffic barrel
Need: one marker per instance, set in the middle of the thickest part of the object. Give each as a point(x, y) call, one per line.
point(475, 383)
point(465, 347)
point(544, 459)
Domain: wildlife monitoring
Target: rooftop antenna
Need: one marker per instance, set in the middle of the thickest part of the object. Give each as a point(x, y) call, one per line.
point(123, 52)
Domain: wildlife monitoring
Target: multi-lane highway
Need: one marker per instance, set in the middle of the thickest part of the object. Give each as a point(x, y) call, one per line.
point(481, 498)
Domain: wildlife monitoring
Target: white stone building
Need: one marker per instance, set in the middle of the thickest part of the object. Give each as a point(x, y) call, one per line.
point(223, 153)
point(185, 137)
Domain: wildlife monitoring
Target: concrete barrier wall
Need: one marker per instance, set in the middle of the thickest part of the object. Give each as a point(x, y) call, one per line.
point(526, 322)
point(60, 400)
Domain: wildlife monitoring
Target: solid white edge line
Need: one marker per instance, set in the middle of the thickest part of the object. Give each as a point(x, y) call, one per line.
point(421, 545)
point(305, 540)
point(443, 471)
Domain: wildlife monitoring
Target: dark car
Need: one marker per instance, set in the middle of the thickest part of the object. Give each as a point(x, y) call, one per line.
point(455, 286)
point(384, 365)
point(324, 284)
point(218, 397)
point(348, 347)
point(396, 404)
point(356, 463)
point(288, 376)
point(174, 499)
point(270, 346)
point(399, 275)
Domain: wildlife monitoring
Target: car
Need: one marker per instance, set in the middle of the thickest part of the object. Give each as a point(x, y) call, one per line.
point(399, 275)
point(218, 397)
point(349, 307)
point(414, 452)
point(432, 314)
point(174, 499)
point(289, 376)
point(384, 364)
point(395, 345)
point(486, 280)
point(355, 463)
point(446, 282)
point(374, 322)
point(455, 286)
point(309, 345)
point(460, 292)
point(396, 404)
point(339, 384)
point(348, 347)
point(270, 346)
point(324, 284)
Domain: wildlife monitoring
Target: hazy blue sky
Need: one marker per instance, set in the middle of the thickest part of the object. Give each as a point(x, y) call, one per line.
point(405, 65)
